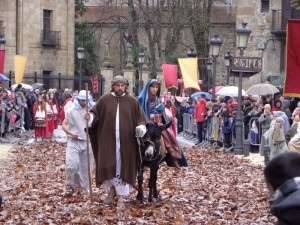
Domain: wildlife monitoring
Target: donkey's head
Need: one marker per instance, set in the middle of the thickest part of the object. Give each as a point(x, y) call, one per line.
point(151, 138)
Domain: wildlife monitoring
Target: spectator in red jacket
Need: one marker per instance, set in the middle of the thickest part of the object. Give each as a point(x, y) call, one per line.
point(200, 115)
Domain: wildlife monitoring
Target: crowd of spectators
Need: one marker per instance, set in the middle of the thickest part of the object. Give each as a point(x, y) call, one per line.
point(32, 111)
point(215, 119)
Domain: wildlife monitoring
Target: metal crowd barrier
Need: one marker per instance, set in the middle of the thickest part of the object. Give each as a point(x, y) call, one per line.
point(190, 132)
point(254, 135)
point(188, 126)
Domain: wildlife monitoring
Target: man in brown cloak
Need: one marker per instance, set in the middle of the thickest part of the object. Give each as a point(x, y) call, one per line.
point(116, 116)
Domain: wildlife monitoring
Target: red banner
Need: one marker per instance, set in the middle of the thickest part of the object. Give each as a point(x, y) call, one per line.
point(292, 79)
point(170, 75)
point(95, 84)
point(2, 58)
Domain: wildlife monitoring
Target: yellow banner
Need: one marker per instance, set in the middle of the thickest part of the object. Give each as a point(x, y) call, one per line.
point(189, 71)
point(20, 65)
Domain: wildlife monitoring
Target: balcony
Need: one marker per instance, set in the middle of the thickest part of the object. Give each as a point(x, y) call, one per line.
point(2, 32)
point(50, 38)
point(279, 20)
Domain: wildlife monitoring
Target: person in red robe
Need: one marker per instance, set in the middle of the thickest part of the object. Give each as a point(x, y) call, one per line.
point(49, 112)
point(68, 98)
point(53, 102)
point(41, 127)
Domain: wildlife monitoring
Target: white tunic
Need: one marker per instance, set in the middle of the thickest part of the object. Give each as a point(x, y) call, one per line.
point(121, 187)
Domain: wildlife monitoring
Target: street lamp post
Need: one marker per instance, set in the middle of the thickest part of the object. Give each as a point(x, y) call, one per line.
point(215, 45)
point(2, 43)
point(208, 68)
point(227, 58)
point(191, 53)
point(141, 63)
point(80, 56)
point(242, 35)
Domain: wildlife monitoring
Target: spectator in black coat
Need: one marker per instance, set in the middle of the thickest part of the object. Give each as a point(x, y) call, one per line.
point(282, 175)
point(181, 109)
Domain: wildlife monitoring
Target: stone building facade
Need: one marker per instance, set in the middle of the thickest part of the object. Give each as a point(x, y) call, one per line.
point(43, 30)
point(261, 16)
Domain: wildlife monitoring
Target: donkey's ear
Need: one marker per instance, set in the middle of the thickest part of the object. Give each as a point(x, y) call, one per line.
point(166, 126)
point(148, 124)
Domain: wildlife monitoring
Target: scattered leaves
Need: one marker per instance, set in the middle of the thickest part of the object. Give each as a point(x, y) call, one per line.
point(216, 188)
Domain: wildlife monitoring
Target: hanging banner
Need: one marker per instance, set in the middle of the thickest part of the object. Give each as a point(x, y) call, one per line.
point(292, 78)
point(95, 84)
point(170, 75)
point(2, 58)
point(189, 71)
point(20, 65)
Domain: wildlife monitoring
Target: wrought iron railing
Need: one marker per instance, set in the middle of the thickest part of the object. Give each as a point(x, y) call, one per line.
point(280, 18)
point(50, 38)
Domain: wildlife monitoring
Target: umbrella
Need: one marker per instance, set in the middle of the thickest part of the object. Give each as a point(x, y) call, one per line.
point(3, 78)
point(198, 94)
point(217, 88)
point(262, 89)
point(231, 91)
point(181, 99)
point(25, 86)
point(37, 85)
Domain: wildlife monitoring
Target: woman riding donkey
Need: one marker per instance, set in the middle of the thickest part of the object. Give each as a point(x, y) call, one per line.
point(155, 111)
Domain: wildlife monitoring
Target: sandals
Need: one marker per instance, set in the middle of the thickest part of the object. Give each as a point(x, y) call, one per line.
point(69, 191)
point(110, 197)
point(120, 204)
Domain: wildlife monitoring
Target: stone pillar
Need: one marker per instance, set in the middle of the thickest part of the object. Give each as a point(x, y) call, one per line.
point(129, 75)
point(160, 76)
point(146, 75)
point(108, 75)
point(106, 61)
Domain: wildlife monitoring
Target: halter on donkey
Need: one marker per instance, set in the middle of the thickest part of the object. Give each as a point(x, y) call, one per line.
point(150, 156)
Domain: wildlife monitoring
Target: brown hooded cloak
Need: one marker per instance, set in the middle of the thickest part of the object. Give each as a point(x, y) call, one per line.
point(103, 136)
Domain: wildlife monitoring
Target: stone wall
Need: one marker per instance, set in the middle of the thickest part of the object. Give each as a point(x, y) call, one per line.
point(260, 23)
point(59, 59)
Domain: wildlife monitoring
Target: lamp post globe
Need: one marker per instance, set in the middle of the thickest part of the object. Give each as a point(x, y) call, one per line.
point(242, 34)
point(2, 43)
point(141, 57)
point(191, 53)
point(242, 37)
point(215, 45)
point(80, 56)
point(208, 68)
point(227, 58)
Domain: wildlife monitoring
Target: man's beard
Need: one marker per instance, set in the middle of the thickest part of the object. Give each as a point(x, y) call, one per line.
point(119, 93)
point(83, 105)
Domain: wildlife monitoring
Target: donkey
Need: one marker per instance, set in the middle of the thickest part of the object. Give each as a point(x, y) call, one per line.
point(150, 155)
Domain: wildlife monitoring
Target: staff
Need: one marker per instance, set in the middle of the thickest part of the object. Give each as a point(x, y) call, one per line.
point(87, 143)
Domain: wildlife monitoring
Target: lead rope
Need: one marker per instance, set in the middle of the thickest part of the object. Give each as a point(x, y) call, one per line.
point(140, 153)
point(141, 160)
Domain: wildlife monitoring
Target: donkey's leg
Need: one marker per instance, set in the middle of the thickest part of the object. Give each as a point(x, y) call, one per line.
point(152, 181)
point(155, 194)
point(140, 195)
